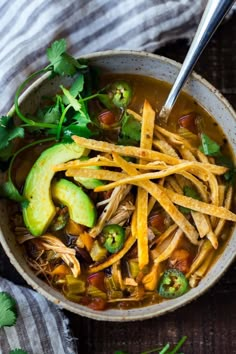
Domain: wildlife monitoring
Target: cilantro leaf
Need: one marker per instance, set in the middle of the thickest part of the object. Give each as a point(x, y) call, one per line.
point(130, 128)
point(62, 63)
point(79, 126)
point(71, 99)
point(192, 193)
point(8, 312)
point(8, 190)
point(209, 147)
point(56, 50)
point(8, 131)
point(18, 351)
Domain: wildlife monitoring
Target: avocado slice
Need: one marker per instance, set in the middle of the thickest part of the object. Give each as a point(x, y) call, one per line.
point(80, 206)
point(41, 210)
point(89, 183)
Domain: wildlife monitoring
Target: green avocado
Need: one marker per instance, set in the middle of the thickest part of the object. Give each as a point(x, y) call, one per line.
point(41, 210)
point(89, 183)
point(81, 208)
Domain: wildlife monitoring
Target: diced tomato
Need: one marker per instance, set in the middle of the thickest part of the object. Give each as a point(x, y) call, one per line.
point(107, 117)
point(180, 259)
point(97, 304)
point(189, 122)
point(157, 221)
point(97, 280)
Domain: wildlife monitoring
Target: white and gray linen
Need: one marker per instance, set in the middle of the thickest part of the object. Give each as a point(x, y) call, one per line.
point(41, 327)
point(28, 28)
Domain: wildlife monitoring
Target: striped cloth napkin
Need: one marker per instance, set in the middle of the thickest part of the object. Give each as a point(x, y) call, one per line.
point(41, 327)
point(27, 29)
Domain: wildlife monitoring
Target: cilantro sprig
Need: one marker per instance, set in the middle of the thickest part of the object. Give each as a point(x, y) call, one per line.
point(8, 310)
point(18, 351)
point(162, 350)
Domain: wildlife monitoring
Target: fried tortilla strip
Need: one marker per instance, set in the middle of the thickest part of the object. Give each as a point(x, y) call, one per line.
point(148, 120)
point(141, 177)
point(227, 204)
point(142, 227)
point(99, 174)
point(205, 249)
point(94, 161)
point(202, 207)
point(201, 223)
point(116, 256)
point(160, 195)
point(164, 147)
point(201, 271)
point(137, 152)
point(174, 138)
point(170, 248)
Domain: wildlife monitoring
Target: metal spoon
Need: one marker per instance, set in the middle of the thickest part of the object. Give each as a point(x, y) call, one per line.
point(214, 13)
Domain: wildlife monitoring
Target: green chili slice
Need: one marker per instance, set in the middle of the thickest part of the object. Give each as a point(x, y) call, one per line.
point(114, 237)
point(121, 94)
point(173, 283)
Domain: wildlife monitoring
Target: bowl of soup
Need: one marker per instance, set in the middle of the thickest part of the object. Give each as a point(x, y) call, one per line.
point(121, 217)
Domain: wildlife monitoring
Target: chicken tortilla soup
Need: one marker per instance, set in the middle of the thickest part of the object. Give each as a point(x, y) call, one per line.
point(111, 207)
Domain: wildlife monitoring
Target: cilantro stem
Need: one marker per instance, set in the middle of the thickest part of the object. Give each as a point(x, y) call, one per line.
point(151, 351)
point(30, 122)
point(59, 126)
point(89, 97)
point(178, 345)
point(164, 350)
point(22, 149)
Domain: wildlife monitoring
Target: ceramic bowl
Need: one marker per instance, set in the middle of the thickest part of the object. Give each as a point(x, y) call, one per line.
point(163, 69)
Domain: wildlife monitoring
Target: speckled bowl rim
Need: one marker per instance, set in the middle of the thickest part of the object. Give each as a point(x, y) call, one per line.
point(132, 314)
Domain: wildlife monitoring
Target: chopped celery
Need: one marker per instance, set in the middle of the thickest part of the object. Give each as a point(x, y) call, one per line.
point(98, 253)
point(113, 292)
point(133, 267)
point(95, 292)
point(74, 285)
point(73, 297)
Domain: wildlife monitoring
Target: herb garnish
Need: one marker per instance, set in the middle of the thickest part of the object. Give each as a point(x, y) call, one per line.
point(18, 351)
point(8, 311)
point(209, 147)
point(162, 350)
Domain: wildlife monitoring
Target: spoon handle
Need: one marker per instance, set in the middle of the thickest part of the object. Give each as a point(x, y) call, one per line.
point(214, 13)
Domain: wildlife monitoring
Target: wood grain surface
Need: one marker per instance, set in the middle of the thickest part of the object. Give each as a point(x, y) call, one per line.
point(210, 321)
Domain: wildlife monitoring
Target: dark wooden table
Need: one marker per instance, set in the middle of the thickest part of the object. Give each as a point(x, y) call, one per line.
point(210, 321)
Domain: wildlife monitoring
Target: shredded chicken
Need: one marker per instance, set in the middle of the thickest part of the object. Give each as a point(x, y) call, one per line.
point(123, 213)
point(117, 196)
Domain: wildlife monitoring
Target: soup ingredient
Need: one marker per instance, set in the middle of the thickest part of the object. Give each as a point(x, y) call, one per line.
point(80, 206)
point(18, 351)
point(120, 93)
point(60, 220)
point(107, 118)
point(89, 183)
point(114, 237)
point(40, 211)
point(180, 259)
point(188, 121)
point(172, 284)
point(209, 147)
point(8, 311)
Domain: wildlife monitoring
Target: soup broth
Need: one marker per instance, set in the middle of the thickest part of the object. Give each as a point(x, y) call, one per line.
point(145, 240)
